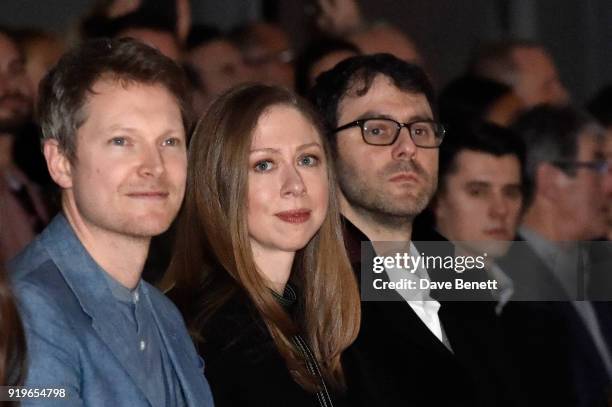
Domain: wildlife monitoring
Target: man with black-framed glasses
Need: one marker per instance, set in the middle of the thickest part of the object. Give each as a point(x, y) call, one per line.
point(411, 350)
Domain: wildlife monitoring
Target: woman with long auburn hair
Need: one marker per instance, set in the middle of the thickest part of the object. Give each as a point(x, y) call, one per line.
point(260, 269)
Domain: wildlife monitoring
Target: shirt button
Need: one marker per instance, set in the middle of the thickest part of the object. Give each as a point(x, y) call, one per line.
point(136, 296)
point(143, 345)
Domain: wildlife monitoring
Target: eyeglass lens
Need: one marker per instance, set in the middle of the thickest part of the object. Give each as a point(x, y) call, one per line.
point(384, 132)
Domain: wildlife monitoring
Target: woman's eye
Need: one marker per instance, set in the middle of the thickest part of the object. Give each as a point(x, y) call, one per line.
point(263, 166)
point(309, 161)
point(118, 141)
point(171, 142)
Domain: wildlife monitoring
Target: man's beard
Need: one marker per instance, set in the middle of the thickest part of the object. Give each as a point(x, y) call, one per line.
point(12, 119)
point(372, 201)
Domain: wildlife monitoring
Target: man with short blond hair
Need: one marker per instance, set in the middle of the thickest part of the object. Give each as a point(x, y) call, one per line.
point(114, 119)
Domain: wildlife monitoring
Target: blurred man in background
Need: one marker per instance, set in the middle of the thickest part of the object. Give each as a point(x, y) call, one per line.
point(525, 66)
point(471, 97)
point(266, 49)
point(217, 62)
point(343, 18)
point(601, 107)
point(549, 319)
point(23, 211)
point(149, 29)
point(480, 195)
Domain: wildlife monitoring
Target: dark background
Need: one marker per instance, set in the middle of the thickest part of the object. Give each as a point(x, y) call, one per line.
point(578, 33)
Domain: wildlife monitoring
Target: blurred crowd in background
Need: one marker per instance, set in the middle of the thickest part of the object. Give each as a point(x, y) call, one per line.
point(503, 79)
point(520, 160)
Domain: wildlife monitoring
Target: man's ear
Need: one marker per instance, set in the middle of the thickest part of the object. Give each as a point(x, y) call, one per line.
point(549, 181)
point(58, 164)
point(439, 209)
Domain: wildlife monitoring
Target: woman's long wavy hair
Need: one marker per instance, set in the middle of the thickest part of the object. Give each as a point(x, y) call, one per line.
point(213, 260)
point(12, 340)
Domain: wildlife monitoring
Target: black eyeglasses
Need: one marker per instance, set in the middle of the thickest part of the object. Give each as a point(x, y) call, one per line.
point(599, 166)
point(383, 132)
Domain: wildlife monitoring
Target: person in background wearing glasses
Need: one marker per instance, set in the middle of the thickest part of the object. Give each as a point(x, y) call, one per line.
point(267, 52)
point(600, 106)
point(381, 122)
point(550, 319)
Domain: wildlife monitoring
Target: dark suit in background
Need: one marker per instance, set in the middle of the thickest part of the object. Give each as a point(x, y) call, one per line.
point(549, 341)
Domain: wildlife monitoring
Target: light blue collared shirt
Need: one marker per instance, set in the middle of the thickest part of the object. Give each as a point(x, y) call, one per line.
point(158, 376)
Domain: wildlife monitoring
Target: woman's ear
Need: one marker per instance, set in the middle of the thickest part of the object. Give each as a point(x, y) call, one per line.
point(58, 164)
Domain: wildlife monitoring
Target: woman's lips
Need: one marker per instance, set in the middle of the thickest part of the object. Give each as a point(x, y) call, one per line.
point(154, 195)
point(294, 216)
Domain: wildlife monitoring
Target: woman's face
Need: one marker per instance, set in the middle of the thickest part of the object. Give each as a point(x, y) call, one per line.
point(287, 183)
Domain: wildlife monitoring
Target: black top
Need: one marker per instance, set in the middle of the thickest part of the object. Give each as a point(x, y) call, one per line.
point(243, 366)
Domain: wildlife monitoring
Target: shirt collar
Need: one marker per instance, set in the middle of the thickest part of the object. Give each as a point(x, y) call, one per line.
point(120, 292)
point(562, 261)
point(81, 272)
point(288, 298)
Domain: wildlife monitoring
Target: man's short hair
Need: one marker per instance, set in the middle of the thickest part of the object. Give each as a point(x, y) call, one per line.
point(550, 135)
point(201, 35)
point(601, 106)
point(495, 60)
point(481, 137)
point(142, 20)
point(12, 34)
point(354, 76)
point(67, 86)
point(101, 26)
point(469, 98)
point(312, 53)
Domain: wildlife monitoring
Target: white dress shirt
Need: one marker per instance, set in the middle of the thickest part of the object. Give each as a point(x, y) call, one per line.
point(419, 299)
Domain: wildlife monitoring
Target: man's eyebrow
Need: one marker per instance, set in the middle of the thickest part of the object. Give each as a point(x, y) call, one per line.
point(130, 129)
point(120, 127)
point(477, 183)
point(372, 113)
point(376, 114)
